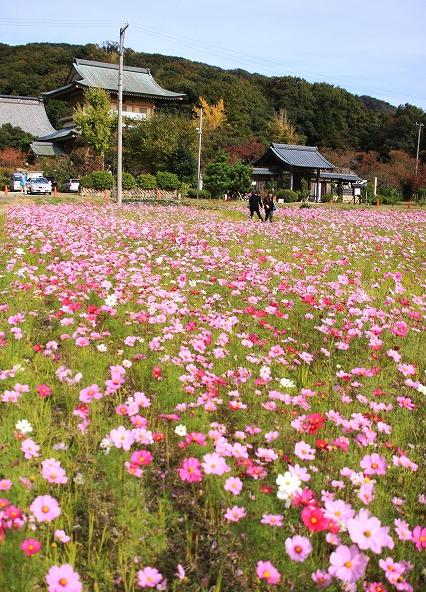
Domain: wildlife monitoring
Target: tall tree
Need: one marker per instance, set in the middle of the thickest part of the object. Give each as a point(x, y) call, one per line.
point(213, 115)
point(281, 130)
point(95, 121)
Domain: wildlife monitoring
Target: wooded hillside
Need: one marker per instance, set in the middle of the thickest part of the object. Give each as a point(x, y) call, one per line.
point(325, 115)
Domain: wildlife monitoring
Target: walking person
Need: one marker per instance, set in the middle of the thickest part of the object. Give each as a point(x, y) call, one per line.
point(255, 202)
point(270, 207)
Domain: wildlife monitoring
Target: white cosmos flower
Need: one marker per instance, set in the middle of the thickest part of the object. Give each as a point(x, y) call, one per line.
point(106, 444)
point(127, 363)
point(19, 251)
point(422, 389)
point(111, 300)
point(287, 383)
point(24, 426)
point(180, 430)
point(288, 482)
point(101, 347)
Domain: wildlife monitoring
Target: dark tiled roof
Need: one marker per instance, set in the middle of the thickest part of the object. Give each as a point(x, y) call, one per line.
point(65, 133)
point(351, 177)
point(301, 156)
point(47, 149)
point(136, 81)
point(265, 171)
point(28, 113)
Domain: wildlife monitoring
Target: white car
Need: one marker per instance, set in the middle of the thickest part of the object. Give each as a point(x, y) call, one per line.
point(39, 186)
point(71, 186)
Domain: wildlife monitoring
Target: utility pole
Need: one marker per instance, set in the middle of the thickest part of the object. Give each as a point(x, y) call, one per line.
point(419, 125)
point(200, 134)
point(120, 118)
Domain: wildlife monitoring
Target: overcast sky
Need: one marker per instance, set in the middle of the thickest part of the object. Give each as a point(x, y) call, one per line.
point(374, 47)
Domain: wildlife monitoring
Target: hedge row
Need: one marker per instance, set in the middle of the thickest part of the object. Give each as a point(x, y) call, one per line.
point(101, 180)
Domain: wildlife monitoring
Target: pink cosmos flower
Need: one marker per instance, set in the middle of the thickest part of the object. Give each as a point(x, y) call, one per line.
point(30, 547)
point(53, 472)
point(62, 578)
point(321, 578)
point(304, 451)
point(338, 510)
point(234, 485)
point(298, 548)
point(149, 577)
point(313, 519)
point(89, 393)
point(235, 513)
point(374, 464)
point(30, 448)
point(347, 563)
point(61, 536)
point(272, 519)
point(141, 457)
point(393, 571)
point(400, 329)
point(368, 533)
point(265, 570)
point(43, 390)
point(122, 438)
point(190, 470)
point(214, 464)
point(45, 508)
point(419, 537)
point(5, 484)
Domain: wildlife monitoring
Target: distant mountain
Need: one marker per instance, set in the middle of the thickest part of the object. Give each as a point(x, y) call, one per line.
point(326, 115)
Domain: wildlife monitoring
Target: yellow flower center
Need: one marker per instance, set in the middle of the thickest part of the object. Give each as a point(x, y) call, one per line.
point(63, 581)
point(348, 564)
point(45, 509)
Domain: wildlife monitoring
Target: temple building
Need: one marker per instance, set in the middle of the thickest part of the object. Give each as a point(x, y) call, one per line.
point(28, 113)
point(294, 163)
point(141, 95)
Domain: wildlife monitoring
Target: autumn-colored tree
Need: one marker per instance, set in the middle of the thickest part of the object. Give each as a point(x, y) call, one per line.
point(213, 115)
point(247, 153)
point(281, 130)
point(10, 158)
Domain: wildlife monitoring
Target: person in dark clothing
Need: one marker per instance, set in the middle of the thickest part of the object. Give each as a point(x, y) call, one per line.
point(255, 202)
point(269, 205)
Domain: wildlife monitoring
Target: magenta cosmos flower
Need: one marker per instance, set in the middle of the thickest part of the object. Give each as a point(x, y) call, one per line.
point(347, 563)
point(265, 570)
point(62, 578)
point(149, 577)
point(30, 547)
point(45, 508)
point(190, 470)
point(419, 537)
point(44, 390)
point(298, 548)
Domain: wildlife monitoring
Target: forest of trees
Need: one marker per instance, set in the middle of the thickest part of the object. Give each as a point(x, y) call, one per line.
point(243, 113)
point(321, 113)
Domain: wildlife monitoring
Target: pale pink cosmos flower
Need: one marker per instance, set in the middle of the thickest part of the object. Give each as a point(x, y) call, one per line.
point(393, 571)
point(374, 464)
point(53, 472)
point(298, 548)
point(402, 530)
point(347, 563)
point(234, 485)
point(304, 451)
point(122, 438)
point(61, 536)
point(45, 508)
point(30, 448)
point(149, 577)
point(235, 514)
point(265, 570)
point(89, 393)
point(272, 520)
point(338, 510)
point(367, 532)
point(5, 484)
point(214, 464)
point(321, 578)
point(63, 579)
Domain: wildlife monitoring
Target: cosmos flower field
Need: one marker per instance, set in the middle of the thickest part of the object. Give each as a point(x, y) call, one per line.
point(191, 401)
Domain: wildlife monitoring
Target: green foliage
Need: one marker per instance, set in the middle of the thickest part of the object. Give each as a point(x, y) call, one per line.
point(146, 181)
point(160, 143)
point(128, 181)
point(4, 179)
point(95, 121)
point(55, 110)
point(221, 176)
point(14, 137)
point(99, 180)
point(389, 196)
point(327, 198)
point(304, 191)
point(288, 195)
point(202, 193)
point(184, 189)
point(182, 162)
point(168, 181)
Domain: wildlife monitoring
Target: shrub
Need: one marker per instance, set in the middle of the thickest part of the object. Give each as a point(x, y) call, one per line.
point(389, 196)
point(328, 197)
point(288, 195)
point(128, 181)
point(184, 189)
point(202, 193)
point(168, 181)
point(146, 181)
point(4, 179)
point(99, 180)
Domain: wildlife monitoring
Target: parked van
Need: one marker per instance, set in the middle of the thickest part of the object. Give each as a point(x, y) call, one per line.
point(15, 182)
